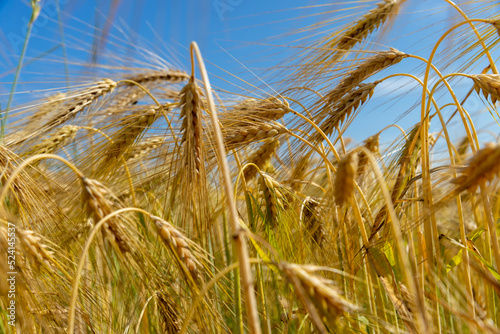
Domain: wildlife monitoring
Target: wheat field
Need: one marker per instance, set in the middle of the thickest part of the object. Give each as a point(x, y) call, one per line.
point(149, 201)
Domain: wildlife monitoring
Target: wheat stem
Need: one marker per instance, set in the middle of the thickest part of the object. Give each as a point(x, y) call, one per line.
point(246, 273)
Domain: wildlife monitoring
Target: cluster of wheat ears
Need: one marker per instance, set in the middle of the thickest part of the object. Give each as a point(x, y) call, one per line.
point(151, 203)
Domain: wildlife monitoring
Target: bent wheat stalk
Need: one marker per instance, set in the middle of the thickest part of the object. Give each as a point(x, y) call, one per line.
point(239, 241)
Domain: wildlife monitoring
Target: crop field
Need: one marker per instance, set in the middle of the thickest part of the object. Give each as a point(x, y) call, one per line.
point(346, 181)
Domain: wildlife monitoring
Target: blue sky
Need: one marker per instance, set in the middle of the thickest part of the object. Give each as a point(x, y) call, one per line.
point(241, 36)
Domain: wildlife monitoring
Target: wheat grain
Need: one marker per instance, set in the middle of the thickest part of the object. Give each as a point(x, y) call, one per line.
point(178, 243)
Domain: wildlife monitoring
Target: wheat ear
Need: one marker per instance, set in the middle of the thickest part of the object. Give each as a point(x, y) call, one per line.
point(192, 128)
point(482, 167)
point(56, 141)
point(489, 84)
point(260, 157)
point(345, 178)
point(321, 292)
point(339, 110)
point(96, 198)
point(178, 243)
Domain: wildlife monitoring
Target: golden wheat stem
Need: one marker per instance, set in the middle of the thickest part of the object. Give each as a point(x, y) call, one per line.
point(142, 313)
point(317, 128)
point(30, 160)
point(399, 242)
point(491, 224)
point(486, 50)
point(246, 273)
point(81, 262)
point(433, 52)
point(207, 287)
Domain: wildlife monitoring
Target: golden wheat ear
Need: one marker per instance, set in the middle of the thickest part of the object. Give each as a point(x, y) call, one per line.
point(343, 187)
point(309, 218)
point(369, 22)
point(261, 157)
point(336, 111)
point(98, 201)
point(323, 294)
point(482, 167)
point(178, 243)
